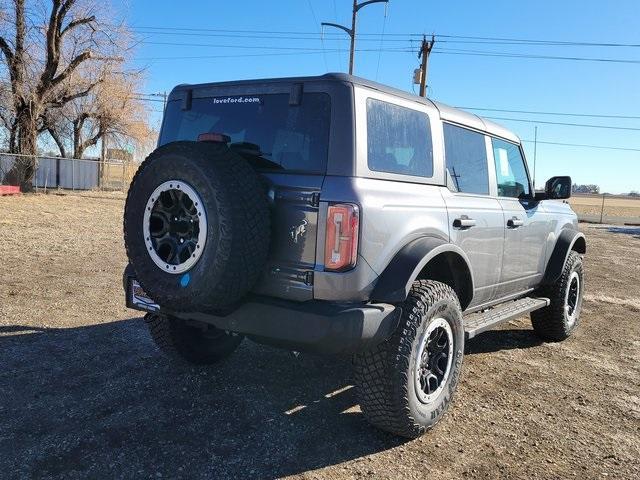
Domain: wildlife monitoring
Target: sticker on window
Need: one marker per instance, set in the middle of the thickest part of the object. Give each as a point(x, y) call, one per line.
point(236, 100)
point(503, 159)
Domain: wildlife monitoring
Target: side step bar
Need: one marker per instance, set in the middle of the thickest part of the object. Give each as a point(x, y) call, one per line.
point(476, 323)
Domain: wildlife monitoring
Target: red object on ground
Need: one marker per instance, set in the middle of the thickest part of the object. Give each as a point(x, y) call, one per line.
point(9, 190)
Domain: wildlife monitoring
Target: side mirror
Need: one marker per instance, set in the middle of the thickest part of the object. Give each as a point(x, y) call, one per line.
point(556, 188)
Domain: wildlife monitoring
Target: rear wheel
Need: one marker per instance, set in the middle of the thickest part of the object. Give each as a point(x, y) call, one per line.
point(406, 384)
point(560, 319)
point(198, 344)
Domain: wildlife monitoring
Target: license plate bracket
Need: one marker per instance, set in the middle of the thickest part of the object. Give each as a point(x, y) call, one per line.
point(138, 299)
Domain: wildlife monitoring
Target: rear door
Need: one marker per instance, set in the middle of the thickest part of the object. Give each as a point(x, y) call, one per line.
point(525, 224)
point(282, 130)
point(475, 216)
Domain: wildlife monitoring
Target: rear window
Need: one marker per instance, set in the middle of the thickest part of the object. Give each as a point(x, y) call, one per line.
point(264, 128)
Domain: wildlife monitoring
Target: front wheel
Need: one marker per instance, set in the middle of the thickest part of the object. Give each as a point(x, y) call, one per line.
point(407, 383)
point(198, 344)
point(560, 319)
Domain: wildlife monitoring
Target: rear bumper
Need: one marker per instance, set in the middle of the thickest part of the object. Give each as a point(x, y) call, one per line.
point(313, 326)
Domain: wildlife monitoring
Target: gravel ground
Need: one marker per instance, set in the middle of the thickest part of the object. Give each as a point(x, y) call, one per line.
point(85, 393)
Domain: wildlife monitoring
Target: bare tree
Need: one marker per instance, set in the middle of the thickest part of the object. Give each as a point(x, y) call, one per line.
point(43, 49)
point(110, 108)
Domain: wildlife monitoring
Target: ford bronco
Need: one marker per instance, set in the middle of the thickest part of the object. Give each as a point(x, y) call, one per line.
point(335, 215)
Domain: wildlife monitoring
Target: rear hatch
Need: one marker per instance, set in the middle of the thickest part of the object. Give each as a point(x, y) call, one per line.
point(282, 129)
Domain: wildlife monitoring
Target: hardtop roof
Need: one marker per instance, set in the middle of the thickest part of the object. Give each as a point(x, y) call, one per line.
point(447, 113)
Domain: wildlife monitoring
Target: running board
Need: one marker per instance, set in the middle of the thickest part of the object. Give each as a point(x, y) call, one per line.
point(476, 323)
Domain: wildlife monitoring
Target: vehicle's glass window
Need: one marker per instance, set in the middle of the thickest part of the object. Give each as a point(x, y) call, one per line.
point(398, 140)
point(466, 156)
point(265, 129)
point(510, 169)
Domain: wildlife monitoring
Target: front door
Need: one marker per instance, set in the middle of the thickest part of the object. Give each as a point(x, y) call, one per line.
point(525, 226)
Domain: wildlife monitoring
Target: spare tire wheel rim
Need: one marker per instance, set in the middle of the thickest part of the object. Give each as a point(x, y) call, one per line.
point(434, 359)
point(174, 226)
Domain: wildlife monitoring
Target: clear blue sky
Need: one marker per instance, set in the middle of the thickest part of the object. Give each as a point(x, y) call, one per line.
point(461, 80)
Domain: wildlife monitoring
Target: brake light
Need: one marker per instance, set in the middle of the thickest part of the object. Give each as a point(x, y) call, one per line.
point(214, 137)
point(341, 240)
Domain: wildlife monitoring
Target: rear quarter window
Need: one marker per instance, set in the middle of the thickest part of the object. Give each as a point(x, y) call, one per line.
point(275, 134)
point(398, 140)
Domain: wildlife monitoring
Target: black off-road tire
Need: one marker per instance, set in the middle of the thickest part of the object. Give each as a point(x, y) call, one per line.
point(384, 375)
point(238, 226)
point(553, 323)
point(200, 345)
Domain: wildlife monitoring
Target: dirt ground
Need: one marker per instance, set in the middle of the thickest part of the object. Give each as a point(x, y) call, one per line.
point(85, 393)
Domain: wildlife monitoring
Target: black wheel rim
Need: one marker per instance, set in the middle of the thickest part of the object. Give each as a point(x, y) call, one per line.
point(434, 360)
point(572, 299)
point(175, 226)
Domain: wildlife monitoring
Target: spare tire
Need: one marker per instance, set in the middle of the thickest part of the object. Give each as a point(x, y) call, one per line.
point(196, 226)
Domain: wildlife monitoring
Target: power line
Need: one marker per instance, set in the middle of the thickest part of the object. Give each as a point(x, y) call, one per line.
point(242, 55)
point(604, 147)
point(215, 45)
point(565, 114)
point(400, 50)
point(384, 26)
point(315, 22)
point(544, 42)
point(526, 55)
point(586, 125)
point(506, 40)
point(376, 37)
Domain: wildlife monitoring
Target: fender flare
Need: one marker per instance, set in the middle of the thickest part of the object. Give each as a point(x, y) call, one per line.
point(567, 240)
point(395, 281)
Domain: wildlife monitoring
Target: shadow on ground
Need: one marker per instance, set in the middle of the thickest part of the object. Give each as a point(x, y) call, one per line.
point(496, 340)
point(101, 401)
point(635, 231)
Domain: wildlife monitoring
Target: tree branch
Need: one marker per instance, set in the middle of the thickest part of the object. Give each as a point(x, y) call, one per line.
point(73, 64)
point(58, 140)
point(63, 100)
point(77, 23)
point(6, 49)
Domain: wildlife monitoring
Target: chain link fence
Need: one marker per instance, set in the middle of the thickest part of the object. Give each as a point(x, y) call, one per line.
point(616, 209)
point(71, 173)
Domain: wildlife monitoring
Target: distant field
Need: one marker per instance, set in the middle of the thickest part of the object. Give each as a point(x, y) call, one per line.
point(614, 206)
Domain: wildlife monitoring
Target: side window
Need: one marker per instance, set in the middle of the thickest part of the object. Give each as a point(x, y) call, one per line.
point(510, 169)
point(466, 156)
point(398, 140)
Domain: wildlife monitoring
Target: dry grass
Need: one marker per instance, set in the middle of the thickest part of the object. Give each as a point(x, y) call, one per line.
point(613, 206)
point(85, 393)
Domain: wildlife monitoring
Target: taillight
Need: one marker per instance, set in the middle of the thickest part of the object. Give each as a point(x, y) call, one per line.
point(341, 241)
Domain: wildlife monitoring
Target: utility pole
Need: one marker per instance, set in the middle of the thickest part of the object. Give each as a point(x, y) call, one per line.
point(103, 160)
point(425, 50)
point(535, 151)
point(352, 31)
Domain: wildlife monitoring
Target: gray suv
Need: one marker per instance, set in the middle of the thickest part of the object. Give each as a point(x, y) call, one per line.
point(336, 215)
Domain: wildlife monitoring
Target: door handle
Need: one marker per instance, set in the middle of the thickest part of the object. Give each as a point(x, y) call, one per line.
point(464, 222)
point(515, 222)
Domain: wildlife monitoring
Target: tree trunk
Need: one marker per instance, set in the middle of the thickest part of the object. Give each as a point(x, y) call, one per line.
point(59, 141)
point(24, 167)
